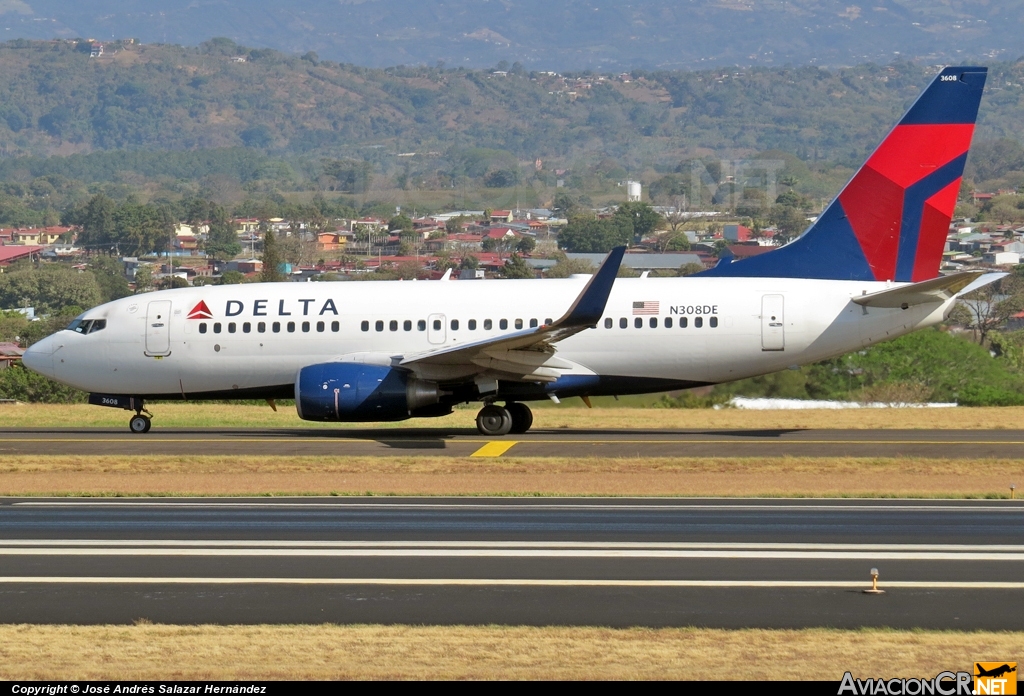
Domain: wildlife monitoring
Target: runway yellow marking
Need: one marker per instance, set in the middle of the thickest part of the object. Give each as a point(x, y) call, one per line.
point(505, 582)
point(495, 449)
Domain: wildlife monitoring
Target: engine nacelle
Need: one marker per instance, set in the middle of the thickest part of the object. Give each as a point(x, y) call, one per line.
point(348, 391)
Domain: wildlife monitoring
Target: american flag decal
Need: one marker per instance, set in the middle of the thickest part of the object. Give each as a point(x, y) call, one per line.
point(645, 308)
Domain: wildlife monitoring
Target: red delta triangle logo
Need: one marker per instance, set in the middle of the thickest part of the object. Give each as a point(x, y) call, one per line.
point(200, 311)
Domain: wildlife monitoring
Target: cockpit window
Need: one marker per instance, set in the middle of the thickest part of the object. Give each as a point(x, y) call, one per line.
point(87, 326)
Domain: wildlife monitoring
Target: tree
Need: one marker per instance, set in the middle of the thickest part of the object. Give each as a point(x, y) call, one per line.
point(587, 234)
point(516, 267)
point(271, 272)
point(526, 245)
point(567, 267)
point(232, 278)
point(454, 225)
point(221, 240)
point(402, 223)
point(469, 262)
point(48, 287)
point(109, 275)
point(143, 279)
point(643, 218)
point(689, 269)
point(97, 221)
point(988, 308)
point(789, 222)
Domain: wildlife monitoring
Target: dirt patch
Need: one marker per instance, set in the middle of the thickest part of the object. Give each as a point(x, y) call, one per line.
point(483, 652)
point(738, 477)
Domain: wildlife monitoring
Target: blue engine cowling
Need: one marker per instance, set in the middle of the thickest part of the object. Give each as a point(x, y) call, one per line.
point(349, 391)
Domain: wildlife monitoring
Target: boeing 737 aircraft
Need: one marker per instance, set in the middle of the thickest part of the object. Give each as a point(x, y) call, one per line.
point(866, 271)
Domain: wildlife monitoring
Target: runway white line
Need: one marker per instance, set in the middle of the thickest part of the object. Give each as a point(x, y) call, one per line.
point(512, 544)
point(512, 553)
point(503, 582)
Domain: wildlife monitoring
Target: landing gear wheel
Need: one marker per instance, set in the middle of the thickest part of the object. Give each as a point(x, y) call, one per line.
point(140, 424)
point(493, 420)
point(522, 417)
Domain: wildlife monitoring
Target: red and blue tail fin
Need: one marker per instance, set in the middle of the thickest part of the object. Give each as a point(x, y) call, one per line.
point(891, 220)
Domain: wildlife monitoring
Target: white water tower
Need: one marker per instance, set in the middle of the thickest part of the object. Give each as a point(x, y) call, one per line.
point(633, 191)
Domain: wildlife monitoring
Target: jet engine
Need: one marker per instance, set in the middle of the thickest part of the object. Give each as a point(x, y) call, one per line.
point(350, 391)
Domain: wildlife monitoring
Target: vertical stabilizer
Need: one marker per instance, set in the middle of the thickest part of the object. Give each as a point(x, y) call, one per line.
point(891, 220)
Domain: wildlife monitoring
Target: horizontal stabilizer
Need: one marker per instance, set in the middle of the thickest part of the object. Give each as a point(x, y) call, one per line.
point(936, 290)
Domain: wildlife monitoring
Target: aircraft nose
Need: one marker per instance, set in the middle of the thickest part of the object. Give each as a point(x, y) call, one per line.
point(39, 357)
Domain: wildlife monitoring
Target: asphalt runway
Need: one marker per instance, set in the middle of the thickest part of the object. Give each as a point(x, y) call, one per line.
point(969, 444)
point(615, 562)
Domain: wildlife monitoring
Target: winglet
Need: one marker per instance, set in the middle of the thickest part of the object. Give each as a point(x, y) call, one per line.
point(589, 306)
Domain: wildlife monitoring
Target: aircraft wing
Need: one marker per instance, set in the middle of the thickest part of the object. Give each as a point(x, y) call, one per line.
point(936, 290)
point(528, 354)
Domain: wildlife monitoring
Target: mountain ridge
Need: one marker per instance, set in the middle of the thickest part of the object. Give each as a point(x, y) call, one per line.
point(569, 35)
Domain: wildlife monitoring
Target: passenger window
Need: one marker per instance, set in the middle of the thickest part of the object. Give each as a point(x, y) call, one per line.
point(407, 325)
point(682, 322)
point(519, 323)
point(320, 326)
point(533, 323)
point(623, 323)
point(305, 327)
point(246, 327)
point(276, 326)
point(336, 327)
point(437, 325)
point(487, 324)
point(365, 326)
point(393, 325)
point(503, 324)
point(455, 324)
point(216, 327)
point(231, 327)
point(291, 327)
point(713, 322)
point(421, 325)
point(471, 324)
point(668, 322)
point(638, 323)
point(262, 327)
point(698, 322)
point(378, 325)
point(202, 327)
point(608, 322)
point(654, 322)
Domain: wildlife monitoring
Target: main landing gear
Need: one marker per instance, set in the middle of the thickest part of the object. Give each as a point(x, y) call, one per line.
point(494, 420)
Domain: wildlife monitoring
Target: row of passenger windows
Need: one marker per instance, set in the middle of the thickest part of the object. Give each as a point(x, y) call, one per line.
point(638, 322)
point(275, 327)
point(421, 325)
point(454, 324)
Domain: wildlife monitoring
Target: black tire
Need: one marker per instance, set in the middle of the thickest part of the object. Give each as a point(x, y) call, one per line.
point(493, 421)
point(140, 424)
point(522, 417)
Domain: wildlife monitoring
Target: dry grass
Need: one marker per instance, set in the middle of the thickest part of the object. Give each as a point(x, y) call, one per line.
point(778, 476)
point(484, 652)
point(231, 415)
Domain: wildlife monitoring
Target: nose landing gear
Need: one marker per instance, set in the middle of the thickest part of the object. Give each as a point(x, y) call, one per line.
point(140, 423)
point(495, 421)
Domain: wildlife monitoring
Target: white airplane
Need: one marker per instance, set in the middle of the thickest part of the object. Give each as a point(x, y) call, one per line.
point(865, 271)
